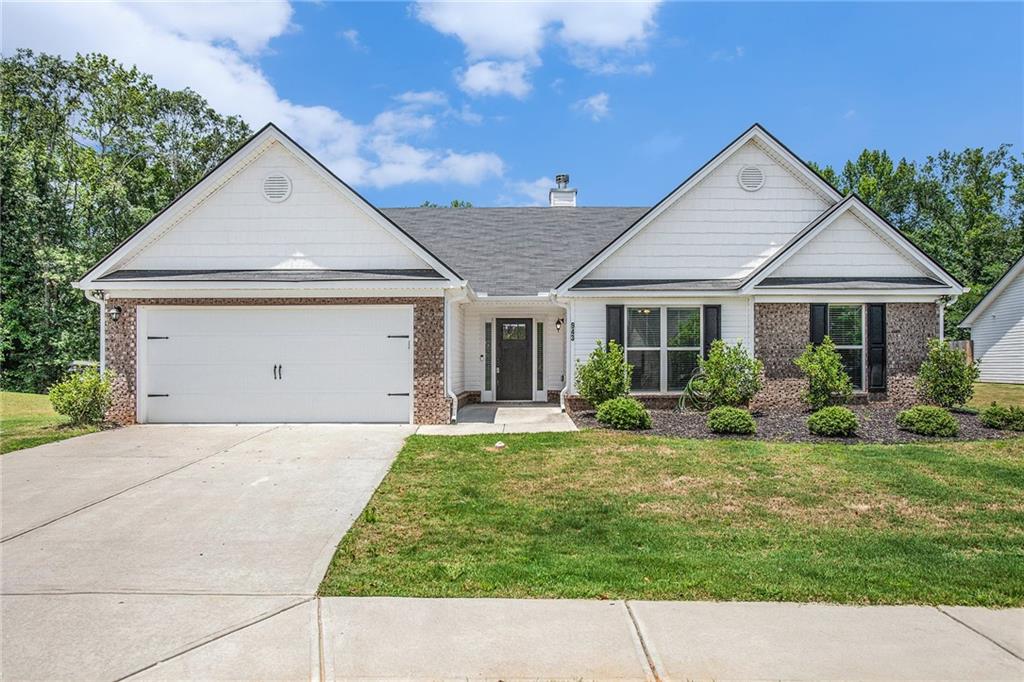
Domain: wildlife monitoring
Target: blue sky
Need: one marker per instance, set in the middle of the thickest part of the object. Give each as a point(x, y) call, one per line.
point(485, 103)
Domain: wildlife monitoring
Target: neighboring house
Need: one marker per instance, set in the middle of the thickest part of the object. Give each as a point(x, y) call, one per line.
point(997, 328)
point(271, 291)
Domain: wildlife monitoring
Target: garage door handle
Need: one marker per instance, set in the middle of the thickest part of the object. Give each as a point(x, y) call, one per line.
point(158, 395)
point(391, 394)
point(155, 338)
point(398, 336)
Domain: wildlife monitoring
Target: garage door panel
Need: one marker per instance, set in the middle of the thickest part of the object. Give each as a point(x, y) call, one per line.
point(337, 364)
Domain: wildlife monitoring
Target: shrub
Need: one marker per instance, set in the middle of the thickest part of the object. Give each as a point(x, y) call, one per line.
point(624, 413)
point(1003, 418)
point(946, 378)
point(83, 397)
point(729, 376)
point(928, 420)
point(730, 420)
point(832, 422)
point(827, 381)
point(604, 376)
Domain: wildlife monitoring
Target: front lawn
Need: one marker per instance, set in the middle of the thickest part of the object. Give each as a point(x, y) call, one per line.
point(1004, 394)
point(27, 420)
point(610, 515)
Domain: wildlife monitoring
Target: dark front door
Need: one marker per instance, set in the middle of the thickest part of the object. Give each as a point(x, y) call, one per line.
point(513, 366)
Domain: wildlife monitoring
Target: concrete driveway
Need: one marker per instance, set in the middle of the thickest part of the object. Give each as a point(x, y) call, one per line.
point(124, 548)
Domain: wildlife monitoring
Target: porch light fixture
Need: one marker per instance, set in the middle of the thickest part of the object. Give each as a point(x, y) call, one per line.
point(114, 313)
point(558, 324)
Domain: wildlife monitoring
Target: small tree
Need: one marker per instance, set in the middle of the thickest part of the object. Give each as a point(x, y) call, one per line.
point(946, 377)
point(729, 376)
point(605, 374)
point(83, 397)
point(827, 381)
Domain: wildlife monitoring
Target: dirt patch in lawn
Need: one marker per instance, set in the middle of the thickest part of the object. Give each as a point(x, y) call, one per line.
point(877, 425)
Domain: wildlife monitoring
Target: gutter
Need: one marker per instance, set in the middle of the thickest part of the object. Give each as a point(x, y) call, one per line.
point(97, 296)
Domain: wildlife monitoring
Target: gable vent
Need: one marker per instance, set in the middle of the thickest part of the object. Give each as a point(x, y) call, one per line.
point(277, 187)
point(751, 178)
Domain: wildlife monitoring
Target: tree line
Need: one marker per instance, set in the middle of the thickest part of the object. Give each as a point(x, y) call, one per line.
point(91, 149)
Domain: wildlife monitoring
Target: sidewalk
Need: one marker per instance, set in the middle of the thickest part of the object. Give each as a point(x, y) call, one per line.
point(339, 638)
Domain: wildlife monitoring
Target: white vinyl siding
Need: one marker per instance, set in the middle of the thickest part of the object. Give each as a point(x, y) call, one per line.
point(718, 229)
point(847, 248)
point(457, 318)
point(998, 336)
point(237, 228)
point(477, 315)
point(589, 316)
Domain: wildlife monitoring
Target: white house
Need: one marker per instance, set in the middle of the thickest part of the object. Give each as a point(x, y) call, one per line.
point(997, 328)
point(272, 291)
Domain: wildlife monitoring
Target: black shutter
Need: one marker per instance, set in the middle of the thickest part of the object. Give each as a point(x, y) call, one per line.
point(819, 315)
point(876, 347)
point(712, 326)
point(615, 324)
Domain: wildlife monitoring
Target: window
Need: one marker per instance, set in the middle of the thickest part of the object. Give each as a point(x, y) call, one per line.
point(846, 329)
point(487, 356)
point(663, 345)
point(540, 356)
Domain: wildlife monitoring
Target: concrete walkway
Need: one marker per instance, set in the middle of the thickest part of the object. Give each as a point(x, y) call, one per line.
point(396, 638)
point(504, 418)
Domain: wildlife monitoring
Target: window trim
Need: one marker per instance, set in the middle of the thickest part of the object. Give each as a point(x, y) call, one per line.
point(663, 349)
point(863, 345)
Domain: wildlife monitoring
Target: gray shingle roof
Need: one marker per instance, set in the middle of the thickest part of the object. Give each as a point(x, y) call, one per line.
point(658, 284)
point(514, 251)
point(850, 282)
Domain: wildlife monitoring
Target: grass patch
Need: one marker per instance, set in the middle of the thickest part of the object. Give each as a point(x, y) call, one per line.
point(607, 515)
point(28, 420)
point(1004, 394)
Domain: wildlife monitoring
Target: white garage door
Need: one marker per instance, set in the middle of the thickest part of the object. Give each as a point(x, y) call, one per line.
point(275, 364)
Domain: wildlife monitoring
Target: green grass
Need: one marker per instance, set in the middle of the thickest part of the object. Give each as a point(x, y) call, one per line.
point(605, 515)
point(27, 420)
point(1004, 394)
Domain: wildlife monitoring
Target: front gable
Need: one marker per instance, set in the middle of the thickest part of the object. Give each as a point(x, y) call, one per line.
point(851, 243)
point(728, 218)
point(270, 206)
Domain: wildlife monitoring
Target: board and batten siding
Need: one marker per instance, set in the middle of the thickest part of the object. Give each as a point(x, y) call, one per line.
point(317, 227)
point(998, 336)
point(848, 248)
point(589, 315)
point(718, 229)
point(554, 342)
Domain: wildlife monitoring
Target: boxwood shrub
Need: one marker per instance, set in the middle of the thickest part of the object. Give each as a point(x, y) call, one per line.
point(835, 421)
point(83, 397)
point(927, 420)
point(626, 414)
point(1003, 418)
point(731, 420)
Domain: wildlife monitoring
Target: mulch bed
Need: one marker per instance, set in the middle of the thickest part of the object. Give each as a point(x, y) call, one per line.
point(877, 425)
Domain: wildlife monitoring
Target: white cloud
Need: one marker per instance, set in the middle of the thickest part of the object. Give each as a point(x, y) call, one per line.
point(728, 55)
point(595, 105)
point(850, 114)
point(598, 35)
point(421, 98)
point(535, 191)
point(351, 35)
point(495, 78)
point(212, 53)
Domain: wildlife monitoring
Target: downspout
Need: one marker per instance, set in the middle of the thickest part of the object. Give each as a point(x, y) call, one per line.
point(462, 295)
point(97, 296)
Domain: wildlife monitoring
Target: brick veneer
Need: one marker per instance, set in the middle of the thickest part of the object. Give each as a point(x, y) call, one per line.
point(431, 404)
point(782, 331)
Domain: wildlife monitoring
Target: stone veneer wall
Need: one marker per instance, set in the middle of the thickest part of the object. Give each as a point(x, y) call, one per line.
point(782, 331)
point(431, 404)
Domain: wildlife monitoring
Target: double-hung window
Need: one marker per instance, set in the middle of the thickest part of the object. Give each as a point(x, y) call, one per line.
point(662, 344)
point(846, 329)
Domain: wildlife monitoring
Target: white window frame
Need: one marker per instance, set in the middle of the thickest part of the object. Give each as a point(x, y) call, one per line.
point(663, 349)
point(863, 346)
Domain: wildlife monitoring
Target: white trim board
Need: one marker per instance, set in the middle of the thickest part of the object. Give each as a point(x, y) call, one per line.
point(993, 293)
